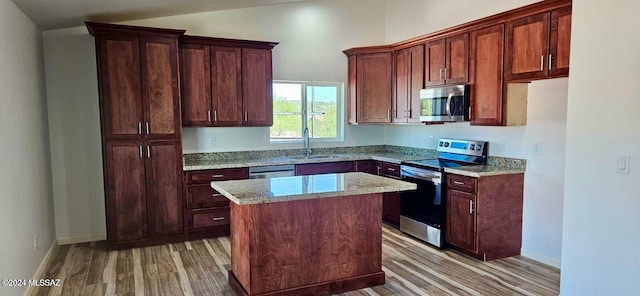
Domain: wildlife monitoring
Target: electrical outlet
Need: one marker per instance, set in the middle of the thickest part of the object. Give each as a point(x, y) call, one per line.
point(538, 147)
point(212, 142)
point(622, 163)
point(35, 242)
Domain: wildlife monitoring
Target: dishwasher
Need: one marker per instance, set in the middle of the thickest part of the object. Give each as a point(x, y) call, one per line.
point(262, 172)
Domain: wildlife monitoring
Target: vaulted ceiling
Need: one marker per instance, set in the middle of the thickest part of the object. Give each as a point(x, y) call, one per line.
point(55, 14)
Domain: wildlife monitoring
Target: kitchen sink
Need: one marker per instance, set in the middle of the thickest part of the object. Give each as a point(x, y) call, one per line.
point(326, 156)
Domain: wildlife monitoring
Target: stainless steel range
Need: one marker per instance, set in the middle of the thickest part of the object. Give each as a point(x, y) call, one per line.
point(422, 212)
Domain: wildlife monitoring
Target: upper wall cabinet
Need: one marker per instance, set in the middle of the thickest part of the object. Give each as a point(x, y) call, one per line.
point(226, 82)
point(487, 50)
point(447, 60)
point(538, 45)
point(138, 83)
point(369, 87)
point(409, 80)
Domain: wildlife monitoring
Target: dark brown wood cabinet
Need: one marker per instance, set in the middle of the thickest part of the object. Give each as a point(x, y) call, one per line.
point(144, 190)
point(207, 211)
point(484, 215)
point(447, 60)
point(226, 82)
point(257, 87)
point(369, 87)
point(409, 80)
point(138, 86)
point(486, 68)
point(324, 168)
point(390, 200)
point(538, 45)
point(141, 132)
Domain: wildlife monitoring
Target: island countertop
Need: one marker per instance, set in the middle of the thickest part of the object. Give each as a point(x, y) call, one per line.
point(258, 191)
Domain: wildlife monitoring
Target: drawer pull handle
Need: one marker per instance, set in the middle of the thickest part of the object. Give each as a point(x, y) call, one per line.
point(216, 195)
point(218, 218)
point(391, 169)
point(217, 176)
point(458, 183)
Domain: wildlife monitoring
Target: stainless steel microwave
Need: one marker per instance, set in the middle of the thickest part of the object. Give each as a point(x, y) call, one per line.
point(445, 103)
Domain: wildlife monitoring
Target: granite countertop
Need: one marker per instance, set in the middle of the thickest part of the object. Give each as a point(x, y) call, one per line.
point(279, 189)
point(206, 164)
point(484, 170)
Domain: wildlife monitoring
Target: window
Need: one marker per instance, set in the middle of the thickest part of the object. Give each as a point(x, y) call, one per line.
point(313, 105)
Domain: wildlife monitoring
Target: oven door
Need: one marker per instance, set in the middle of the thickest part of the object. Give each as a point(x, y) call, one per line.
point(422, 212)
point(445, 104)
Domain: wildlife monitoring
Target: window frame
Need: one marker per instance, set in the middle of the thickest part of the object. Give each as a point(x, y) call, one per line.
point(339, 114)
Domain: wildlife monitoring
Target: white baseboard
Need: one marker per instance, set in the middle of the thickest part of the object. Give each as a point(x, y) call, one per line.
point(540, 258)
point(41, 269)
point(81, 239)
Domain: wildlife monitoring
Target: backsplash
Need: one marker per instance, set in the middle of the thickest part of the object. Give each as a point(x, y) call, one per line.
point(426, 153)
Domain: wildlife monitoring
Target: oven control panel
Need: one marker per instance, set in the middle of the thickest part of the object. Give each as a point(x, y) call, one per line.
point(466, 147)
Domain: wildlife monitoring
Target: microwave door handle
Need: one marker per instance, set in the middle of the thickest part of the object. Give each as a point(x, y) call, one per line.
point(449, 105)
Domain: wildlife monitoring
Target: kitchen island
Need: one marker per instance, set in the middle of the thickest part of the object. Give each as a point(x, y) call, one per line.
point(307, 235)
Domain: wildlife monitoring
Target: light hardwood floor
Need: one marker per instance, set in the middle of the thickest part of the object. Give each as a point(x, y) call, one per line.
point(200, 268)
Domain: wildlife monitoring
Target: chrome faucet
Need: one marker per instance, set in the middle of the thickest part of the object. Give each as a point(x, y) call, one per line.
point(305, 142)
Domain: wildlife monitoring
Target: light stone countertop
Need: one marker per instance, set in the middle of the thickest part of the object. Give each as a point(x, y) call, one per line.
point(279, 189)
point(483, 170)
point(252, 162)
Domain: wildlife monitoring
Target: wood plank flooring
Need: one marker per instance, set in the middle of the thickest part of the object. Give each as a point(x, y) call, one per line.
point(200, 268)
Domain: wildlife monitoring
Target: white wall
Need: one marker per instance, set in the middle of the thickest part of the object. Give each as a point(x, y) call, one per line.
point(411, 18)
point(601, 236)
point(547, 111)
point(74, 126)
point(312, 35)
point(26, 207)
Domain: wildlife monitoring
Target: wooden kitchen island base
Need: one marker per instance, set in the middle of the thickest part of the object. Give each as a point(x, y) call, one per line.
point(316, 246)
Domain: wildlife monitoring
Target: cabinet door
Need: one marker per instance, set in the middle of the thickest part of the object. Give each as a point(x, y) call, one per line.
point(125, 190)
point(369, 166)
point(434, 58)
point(196, 85)
point(160, 92)
point(409, 80)
point(560, 42)
point(352, 85)
point(164, 187)
point(119, 78)
point(257, 87)
point(416, 81)
point(374, 88)
point(227, 86)
point(527, 47)
point(461, 220)
point(401, 85)
point(487, 47)
point(457, 58)
point(391, 208)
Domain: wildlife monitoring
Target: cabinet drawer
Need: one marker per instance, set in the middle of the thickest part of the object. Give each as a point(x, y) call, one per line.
point(462, 183)
point(391, 170)
point(206, 176)
point(203, 196)
point(210, 217)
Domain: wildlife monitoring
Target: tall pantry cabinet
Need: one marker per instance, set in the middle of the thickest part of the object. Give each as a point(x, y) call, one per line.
point(138, 81)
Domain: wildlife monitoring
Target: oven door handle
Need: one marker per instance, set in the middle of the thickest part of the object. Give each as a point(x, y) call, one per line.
point(449, 105)
point(420, 176)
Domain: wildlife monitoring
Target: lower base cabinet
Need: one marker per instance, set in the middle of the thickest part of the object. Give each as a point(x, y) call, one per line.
point(144, 191)
point(207, 211)
point(484, 215)
point(390, 200)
